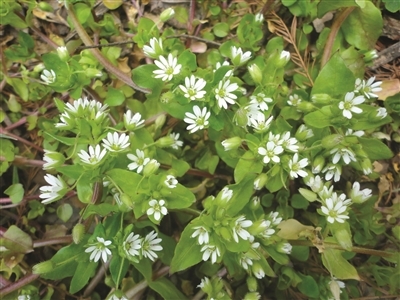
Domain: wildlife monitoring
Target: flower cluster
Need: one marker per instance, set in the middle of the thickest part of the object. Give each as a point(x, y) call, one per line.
point(136, 247)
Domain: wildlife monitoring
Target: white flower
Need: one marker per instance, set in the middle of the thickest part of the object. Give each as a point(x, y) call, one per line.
point(346, 154)
point(94, 156)
point(115, 142)
point(202, 232)
point(231, 143)
point(62, 52)
point(294, 100)
point(193, 89)
point(204, 283)
point(210, 251)
point(132, 122)
point(245, 261)
point(274, 217)
point(334, 210)
point(271, 152)
point(368, 88)
point(65, 121)
point(238, 57)
point(275, 138)
point(132, 244)
point(171, 181)
point(157, 208)
point(315, 183)
point(226, 194)
point(335, 287)
point(198, 120)
point(349, 105)
point(258, 270)
point(139, 161)
point(381, 112)
point(167, 68)
point(52, 159)
point(238, 229)
point(177, 143)
point(261, 101)
point(223, 93)
point(48, 77)
point(155, 49)
point(358, 133)
point(78, 107)
point(284, 56)
point(296, 167)
point(150, 244)
point(54, 191)
point(304, 133)
point(358, 196)
point(259, 123)
point(99, 249)
point(259, 17)
point(332, 171)
point(268, 232)
point(286, 248)
point(289, 143)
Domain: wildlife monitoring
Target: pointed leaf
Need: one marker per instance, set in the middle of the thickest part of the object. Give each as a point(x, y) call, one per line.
point(337, 265)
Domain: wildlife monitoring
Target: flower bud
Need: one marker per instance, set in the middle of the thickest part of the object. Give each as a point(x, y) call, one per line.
point(167, 14)
point(370, 56)
point(43, 267)
point(165, 141)
point(303, 133)
point(317, 164)
point(78, 232)
point(255, 203)
point(91, 72)
point(232, 143)
point(45, 6)
point(284, 247)
point(260, 181)
point(225, 233)
point(39, 68)
point(259, 18)
point(251, 283)
point(283, 59)
point(63, 53)
point(252, 296)
point(255, 73)
point(366, 166)
point(160, 121)
point(332, 141)
point(305, 107)
point(126, 201)
point(151, 168)
point(220, 214)
point(323, 99)
point(258, 270)
point(53, 160)
point(240, 117)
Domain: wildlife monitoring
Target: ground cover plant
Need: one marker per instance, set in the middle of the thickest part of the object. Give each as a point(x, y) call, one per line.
point(201, 150)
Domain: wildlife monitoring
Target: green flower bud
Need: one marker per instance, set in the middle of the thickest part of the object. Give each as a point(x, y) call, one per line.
point(255, 73)
point(165, 141)
point(318, 164)
point(53, 160)
point(167, 14)
point(231, 143)
point(255, 203)
point(126, 201)
point(78, 232)
point(160, 121)
point(303, 133)
point(284, 247)
point(284, 58)
point(225, 233)
point(260, 181)
point(370, 56)
point(43, 267)
point(151, 168)
point(252, 296)
point(220, 213)
point(39, 68)
point(305, 107)
point(251, 283)
point(63, 53)
point(332, 141)
point(91, 72)
point(366, 166)
point(45, 6)
point(240, 117)
point(323, 99)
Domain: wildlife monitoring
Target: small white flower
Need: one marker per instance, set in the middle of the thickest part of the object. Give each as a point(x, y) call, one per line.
point(132, 244)
point(204, 283)
point(294, 100)
point(132, 122)
point(210, 251)
point(202, 234)
point(177, 143)
point(238, 229)
point(48, 77)
point(332, 171)
point(358, 133)
point(198, 120)
point(171, 181)
point(261, 101)
point(368, 88)
point(315, 183)
point(381, 112)
point(286, 248)
point(193, 89)
point(346, 154)
point(167, 68)
point(275, 138)
point(78, 107)
point(274, 217)
point(349, 105)
point(245, 260)
point(223, 93)
point(99, 249)
point(54, 191)
point(115, 142)
point(150, 244)
point(155, 49)
point(296, 167)
point(271, 152)
point(238, 57)
point(219, 65)
point(52, 159)
point(304, 132)
point(231, 143)
point(157, 208)
point(258, 270)
point(62, 52)
point(94, 156)
point(359, 196)
point(259, 123)
point(259, 17)
point(334, 210)
point(284, 56)
point(65, 121)
point(289, 143)
point(139, 161)
point(226, 194)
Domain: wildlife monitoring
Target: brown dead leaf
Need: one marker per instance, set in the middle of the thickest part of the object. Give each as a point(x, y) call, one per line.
point(389, 88)
point(292, 229)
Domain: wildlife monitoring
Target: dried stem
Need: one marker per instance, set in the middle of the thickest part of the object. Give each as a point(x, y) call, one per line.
point(17, 285)
point(53, 241)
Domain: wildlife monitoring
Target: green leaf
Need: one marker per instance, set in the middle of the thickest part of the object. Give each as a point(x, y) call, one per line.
point(247, 164)
point(143, 77)
point(65, 140)
point(72, 171)
point(187, 252)
point(83, 273)
point(363, 26)
point(17, 241)
point(308, 286)
point(337, 265)
point(319, 119)
point(118, 268)
point(334, 79)
point(126, 180)
point(166, 289)
point(114, 97)
point(221, 29)
point(375, 149)
point(20, 87)
point(392, 5)
point(325, 6)
point(102, 209)
point(342, 234)
point(64, 212)
point(188, 59)
point(242, 192)
point(82, 12)
point(16, 192)
point(179, 197)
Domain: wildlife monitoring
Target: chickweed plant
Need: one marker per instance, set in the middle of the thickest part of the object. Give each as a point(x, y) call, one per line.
point(240, 172)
